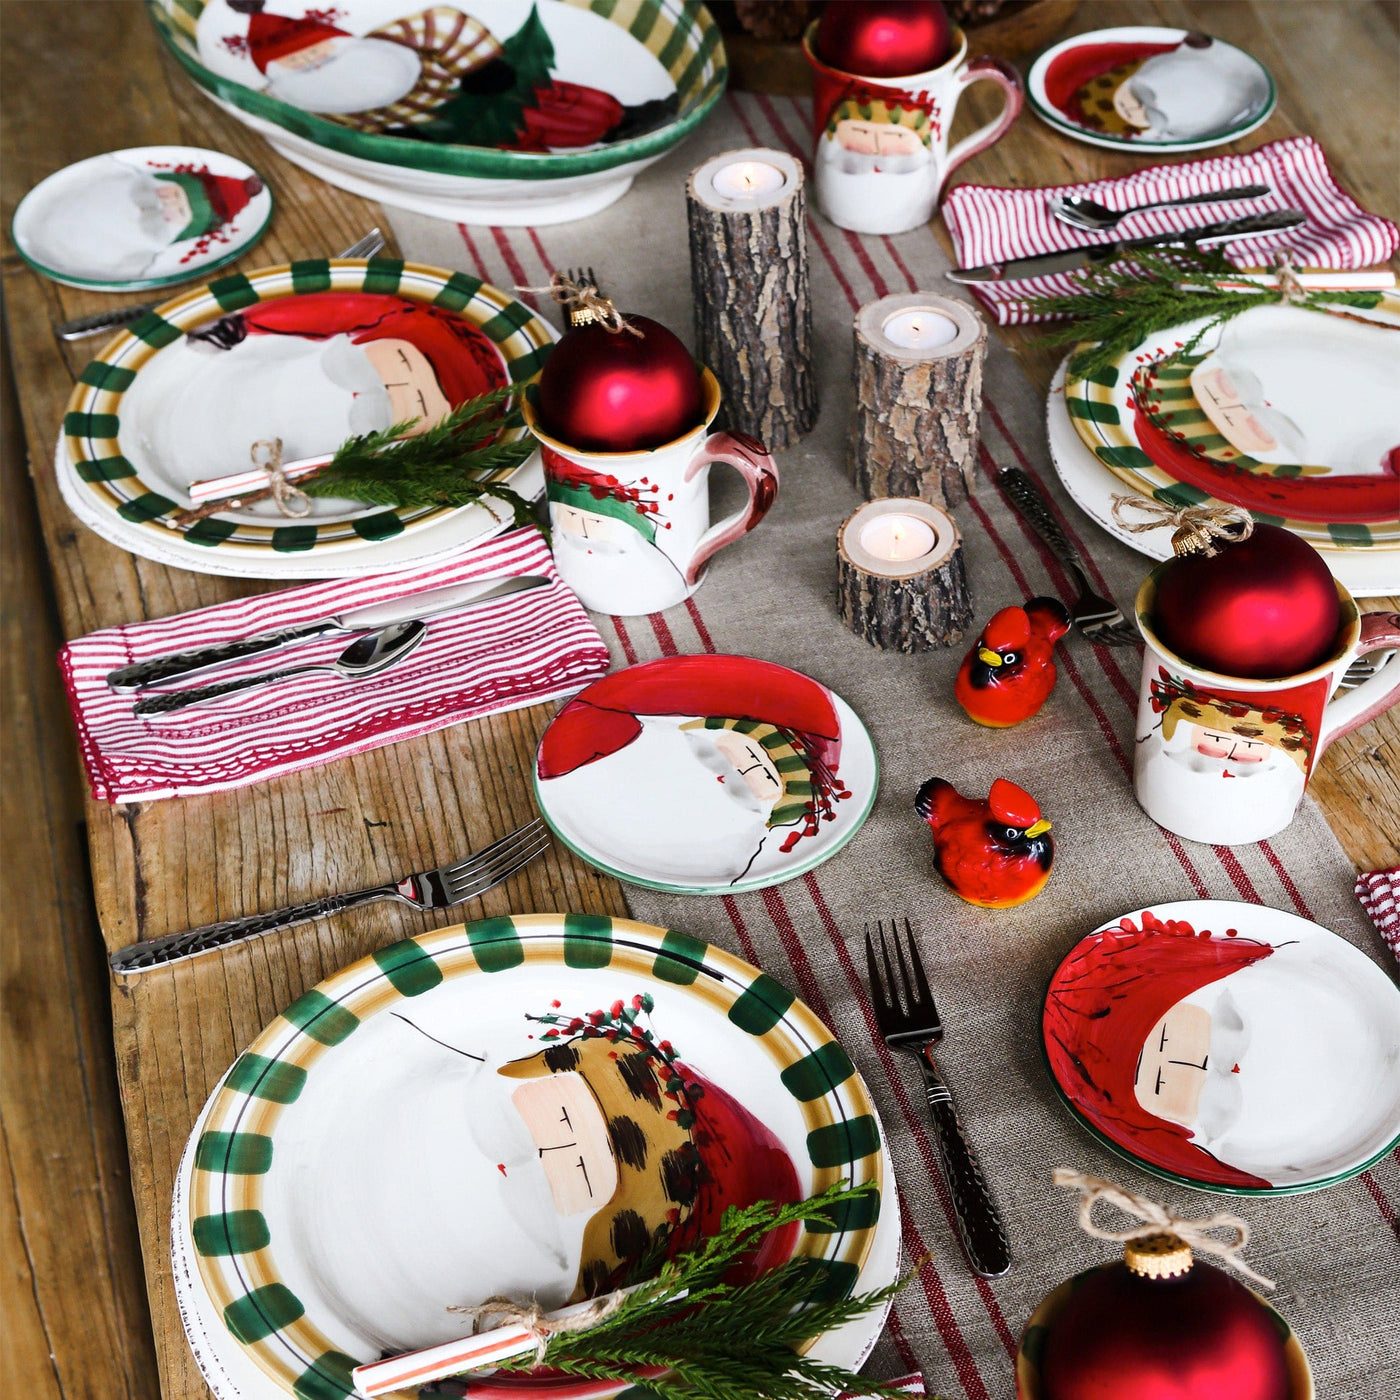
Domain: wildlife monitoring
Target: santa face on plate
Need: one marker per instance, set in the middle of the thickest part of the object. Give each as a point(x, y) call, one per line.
point(691, 771)
point(118, 222)
point(311, 370)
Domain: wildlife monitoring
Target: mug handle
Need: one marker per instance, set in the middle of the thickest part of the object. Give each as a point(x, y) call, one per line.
point(1372, 697)
point(750, 459)
point(987, 69)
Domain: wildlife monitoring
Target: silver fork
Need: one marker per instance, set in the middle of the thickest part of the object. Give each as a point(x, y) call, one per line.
point(430, 889)
point(1097, 619)
point(85, 326)
point(909, 1020)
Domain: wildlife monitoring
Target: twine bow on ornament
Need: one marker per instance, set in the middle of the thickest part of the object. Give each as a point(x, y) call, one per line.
point(577, 292)
point(290, 500)
point(1158, 1220)
point(1195, 528)
point(531, 1318)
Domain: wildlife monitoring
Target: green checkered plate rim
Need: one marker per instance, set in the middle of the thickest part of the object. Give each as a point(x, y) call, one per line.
point(113, 483)
point(1101, 411)
point(681, 34)
point(785, 1042)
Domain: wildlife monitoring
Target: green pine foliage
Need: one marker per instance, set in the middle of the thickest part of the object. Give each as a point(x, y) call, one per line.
point(451, 464)
point(1116, 307)
point(722, 1341)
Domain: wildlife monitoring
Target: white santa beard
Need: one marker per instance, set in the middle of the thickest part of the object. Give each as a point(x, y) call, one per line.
point(658, 806)
point(1190, 93)
point(875, 194)
point(195, 411)
point(1289, 1021)
point(359, 76)
point(613, 574)
point(1222, 809)
point(110, 228)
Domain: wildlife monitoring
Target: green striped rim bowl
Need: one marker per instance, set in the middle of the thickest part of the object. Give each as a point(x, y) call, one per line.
point(518, 1106)
point(671, 44)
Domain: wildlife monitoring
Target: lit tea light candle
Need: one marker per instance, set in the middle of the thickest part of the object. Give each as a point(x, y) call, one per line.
point(921, 328)
point(897, 538)
point(748, 179)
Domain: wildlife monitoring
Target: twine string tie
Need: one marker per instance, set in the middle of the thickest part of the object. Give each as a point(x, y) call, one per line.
point(1158, 1220)
point(511, 1312)
point(289, 499)
point(1199, 529)
point(578, 294)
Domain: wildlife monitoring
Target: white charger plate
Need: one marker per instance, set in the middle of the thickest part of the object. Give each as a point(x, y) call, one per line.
point(336, 1199)
point(1365, 573)
point(1262, 1058)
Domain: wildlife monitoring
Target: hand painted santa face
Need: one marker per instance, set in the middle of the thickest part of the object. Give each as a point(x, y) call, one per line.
point(566, 1123)
point(344, 74)
point(411, 383)
point(751, 762)
point(1127, 105)
point(877, 138)
point(1172, 1068)
point(590, 526)
point(174, 206)
point(1213, 743)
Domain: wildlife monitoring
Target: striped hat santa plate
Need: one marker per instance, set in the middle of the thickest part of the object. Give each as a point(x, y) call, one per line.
point(147, 217)
point(706, 774)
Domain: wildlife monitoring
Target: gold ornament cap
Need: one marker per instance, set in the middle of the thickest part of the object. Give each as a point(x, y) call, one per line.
point(1161, 1255)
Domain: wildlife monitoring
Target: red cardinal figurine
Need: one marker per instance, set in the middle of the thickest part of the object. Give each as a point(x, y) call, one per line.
point(1010, 673)
point(994, 853)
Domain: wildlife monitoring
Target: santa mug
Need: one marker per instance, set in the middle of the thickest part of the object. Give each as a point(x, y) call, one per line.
point(1225, 760)
point(632, 532)
point(882, 155)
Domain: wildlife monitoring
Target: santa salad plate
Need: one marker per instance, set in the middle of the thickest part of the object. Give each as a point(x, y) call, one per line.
point(1156, 89)
point(1288, 413)
point(147, 217)
point(298, 358)
point(1365, 573)
point(521, 1106)
point(1228, 1046)
point(706, 774)
point(490, 110)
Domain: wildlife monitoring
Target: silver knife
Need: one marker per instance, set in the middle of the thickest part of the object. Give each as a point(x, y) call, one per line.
point(1097, 254)
point(435, 601)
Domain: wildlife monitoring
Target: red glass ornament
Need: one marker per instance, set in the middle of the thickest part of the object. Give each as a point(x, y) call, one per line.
point(611, 391)
point(1198, 1336)
point(884, 38)
point(1265, 607)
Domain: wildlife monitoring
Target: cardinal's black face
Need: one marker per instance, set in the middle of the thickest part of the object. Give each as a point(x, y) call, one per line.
point(991, 667)
point(1030, 843)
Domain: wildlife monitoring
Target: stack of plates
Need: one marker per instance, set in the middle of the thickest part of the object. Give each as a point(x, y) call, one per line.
point(1285, 412)
point(501, 111)
point(405, 1139)
point(311, 353)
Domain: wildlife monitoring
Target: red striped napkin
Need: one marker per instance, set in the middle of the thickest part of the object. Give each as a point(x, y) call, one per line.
point(519, 650)
point(990, 224)
point(1379, 893)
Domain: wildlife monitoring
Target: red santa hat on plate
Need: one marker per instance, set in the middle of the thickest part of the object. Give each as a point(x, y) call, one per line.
point(214, 200)
point(273, 37)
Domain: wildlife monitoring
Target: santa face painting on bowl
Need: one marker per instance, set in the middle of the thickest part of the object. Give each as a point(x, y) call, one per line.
point(695, 765)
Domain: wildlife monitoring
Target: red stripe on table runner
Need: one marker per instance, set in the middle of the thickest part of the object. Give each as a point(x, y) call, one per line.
point(897, 1335)
point(624, 640)
point(1382, 1204)
point(662, 629)
point(515, 267)
point(698, 623)
point(475, 252)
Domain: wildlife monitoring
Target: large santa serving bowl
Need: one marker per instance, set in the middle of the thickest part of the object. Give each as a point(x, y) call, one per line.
point(1228, 1046)
point(499, 111)
point(516, 1106)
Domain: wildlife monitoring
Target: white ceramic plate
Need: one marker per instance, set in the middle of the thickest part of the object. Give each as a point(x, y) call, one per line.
point(1365, 573)
point(146, 217)
point(706, 774)
point(1150, 89)
point(410, 1135)
point(1228, 1046)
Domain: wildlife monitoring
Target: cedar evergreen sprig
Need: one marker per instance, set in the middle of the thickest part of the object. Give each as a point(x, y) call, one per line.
point(449, 464)
point(722, 1341)
point(1116, 307)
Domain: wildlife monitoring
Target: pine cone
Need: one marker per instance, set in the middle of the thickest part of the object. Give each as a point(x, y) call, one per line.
point(775, 19)
point(969, 11)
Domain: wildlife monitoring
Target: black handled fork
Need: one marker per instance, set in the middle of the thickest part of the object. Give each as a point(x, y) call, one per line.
point(908, 1020)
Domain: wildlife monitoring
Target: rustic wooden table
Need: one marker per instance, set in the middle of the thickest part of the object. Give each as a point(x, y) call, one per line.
point(97, 81)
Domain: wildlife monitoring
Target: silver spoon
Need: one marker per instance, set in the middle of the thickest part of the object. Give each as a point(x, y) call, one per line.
point(1079, 211)
point(365, 656)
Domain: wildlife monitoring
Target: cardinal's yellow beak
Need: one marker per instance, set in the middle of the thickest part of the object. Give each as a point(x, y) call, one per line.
point(1041, 825)
point(992, 658)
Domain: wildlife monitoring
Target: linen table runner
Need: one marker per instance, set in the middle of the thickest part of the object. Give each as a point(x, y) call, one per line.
point(1336, 1252)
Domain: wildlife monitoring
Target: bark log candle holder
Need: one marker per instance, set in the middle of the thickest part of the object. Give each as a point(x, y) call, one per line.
point(900, 580)
point(918, 384)
point(748, 273)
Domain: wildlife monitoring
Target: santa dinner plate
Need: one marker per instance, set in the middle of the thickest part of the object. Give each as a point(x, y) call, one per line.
point(1228, 1046)
point(1153, 88)
point(147, 217)
point(305, 355)
point(521, 1106)
point(1365, 573)
point(1288, 413)
point(706, 774)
